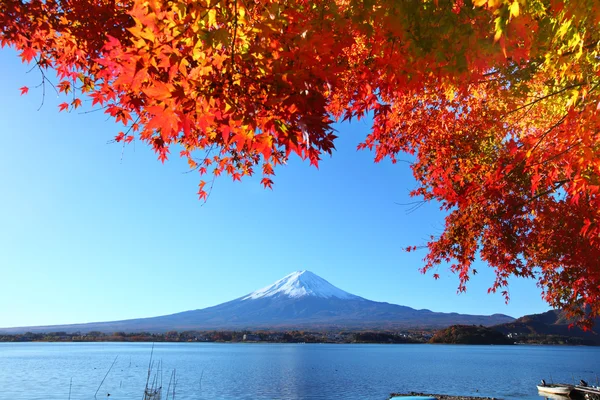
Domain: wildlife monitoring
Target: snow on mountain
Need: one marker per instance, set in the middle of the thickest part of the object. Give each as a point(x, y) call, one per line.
point(301, 300)
point(299, 284)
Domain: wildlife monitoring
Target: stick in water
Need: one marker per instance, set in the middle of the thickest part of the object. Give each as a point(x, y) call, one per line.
point(108, 372)
point(150, 366)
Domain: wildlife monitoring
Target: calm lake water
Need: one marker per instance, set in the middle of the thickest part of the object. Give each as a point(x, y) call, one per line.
point(43, 371)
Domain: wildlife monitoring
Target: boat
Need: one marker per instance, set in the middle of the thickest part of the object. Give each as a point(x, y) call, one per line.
point(555, 388)
point(587, 392)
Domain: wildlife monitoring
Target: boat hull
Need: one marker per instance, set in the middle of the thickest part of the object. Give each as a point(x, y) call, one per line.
point(563, 390)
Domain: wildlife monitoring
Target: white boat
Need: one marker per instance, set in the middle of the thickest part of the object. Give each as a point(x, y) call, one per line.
point(555, 388)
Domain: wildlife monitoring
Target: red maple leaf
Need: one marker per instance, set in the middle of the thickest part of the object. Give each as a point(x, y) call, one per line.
point(267, 183)
point(27, 54)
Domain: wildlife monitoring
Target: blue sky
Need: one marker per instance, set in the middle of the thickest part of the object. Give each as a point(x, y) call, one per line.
point(92, 232)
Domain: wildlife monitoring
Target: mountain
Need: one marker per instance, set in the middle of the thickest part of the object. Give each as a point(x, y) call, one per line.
point(549, 327)
point(301, 300)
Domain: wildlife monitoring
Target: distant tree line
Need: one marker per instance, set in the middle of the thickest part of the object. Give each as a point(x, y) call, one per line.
point(292, 336)
point(456, 334)
point(470, 334)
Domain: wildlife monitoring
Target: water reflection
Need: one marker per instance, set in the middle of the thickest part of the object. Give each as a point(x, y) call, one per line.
point(210, 371)
point(551, 396)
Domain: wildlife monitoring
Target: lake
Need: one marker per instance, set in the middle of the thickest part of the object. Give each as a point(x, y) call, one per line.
point(215, 371)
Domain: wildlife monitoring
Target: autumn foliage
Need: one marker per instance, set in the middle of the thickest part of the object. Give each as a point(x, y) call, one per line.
point(497, 100)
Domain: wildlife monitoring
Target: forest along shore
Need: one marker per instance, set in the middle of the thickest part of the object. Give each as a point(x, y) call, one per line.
point(292, 336)
point(456, 334)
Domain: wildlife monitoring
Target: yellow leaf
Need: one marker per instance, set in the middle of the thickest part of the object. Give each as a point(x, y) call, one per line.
point(450, 93)
point(498, 35)
point(212, 17)
point(148, 35)
point(181, 9)
point(564, 27)
point(135, 30)
point(514, 9)
point(197, 54)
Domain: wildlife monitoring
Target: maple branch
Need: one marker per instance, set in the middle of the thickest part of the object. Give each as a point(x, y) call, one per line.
point(200, 163)
point(560, 121)
point(571, 147)
point(212, 182)
point(544, 97)
point(235, 24)
point(491, 73)
point(414, 205)
point(94, 110)
point(43, 92)
point(124, 133)
point(43, 83)
point(414, 208)
point(32, 68)
point(586, 47)
point(553, 189)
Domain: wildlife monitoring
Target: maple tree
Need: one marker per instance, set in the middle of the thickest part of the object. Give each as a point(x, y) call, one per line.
point(497, 100)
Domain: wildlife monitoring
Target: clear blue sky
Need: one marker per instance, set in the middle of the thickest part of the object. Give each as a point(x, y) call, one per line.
point(87, 237)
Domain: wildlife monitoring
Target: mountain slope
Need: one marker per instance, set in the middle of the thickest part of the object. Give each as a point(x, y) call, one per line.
point(299, 300)
point(550, 323)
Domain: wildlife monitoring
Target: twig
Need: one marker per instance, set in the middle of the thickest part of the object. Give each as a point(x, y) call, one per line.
point(149, 366)
point(105, 376)
point(150, 369)
point(545, 97)
point(212, 183)
point(235, 24)
point(43, 84)
point(93, 111)
point(560, 121)
point(169, 387)
point(174, 382)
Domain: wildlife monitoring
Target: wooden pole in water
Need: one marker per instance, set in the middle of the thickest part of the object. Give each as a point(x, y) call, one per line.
point(107, 372)
point(149, 369)
point(174, 382)
point(70, 385)
point(169, 387)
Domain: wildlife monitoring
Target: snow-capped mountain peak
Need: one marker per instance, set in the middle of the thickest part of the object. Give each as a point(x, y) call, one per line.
point(300, 284)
